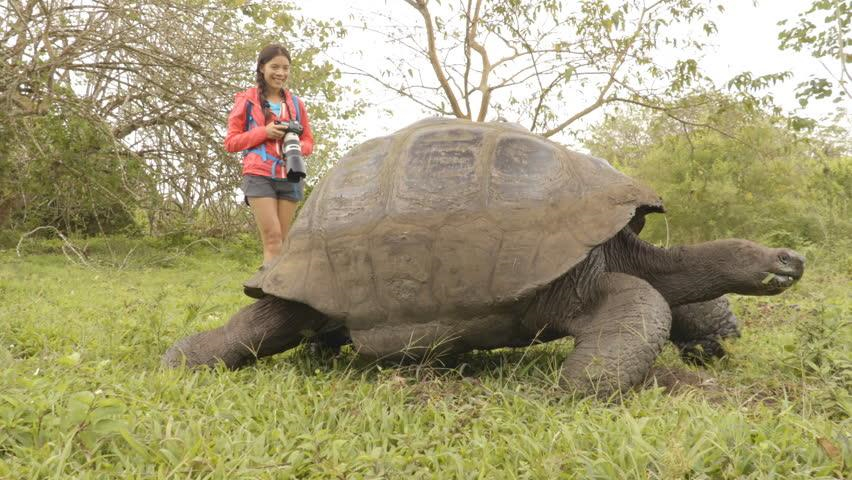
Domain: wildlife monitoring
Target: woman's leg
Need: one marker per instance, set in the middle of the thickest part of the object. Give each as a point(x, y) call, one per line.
point(266, 215)
point(273, 217)
point(286, 210)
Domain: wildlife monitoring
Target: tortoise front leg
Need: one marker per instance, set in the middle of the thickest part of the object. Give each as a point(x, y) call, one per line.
point(698, 328)
point(617, 342)
point(266, 327)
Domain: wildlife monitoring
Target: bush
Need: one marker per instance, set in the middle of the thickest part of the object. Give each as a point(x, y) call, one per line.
point(68, 174)
point(765, 182)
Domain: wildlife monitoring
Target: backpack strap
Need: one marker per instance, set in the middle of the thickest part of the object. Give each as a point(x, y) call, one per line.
point(249, 119)
point(260, 149)
point(296, 107)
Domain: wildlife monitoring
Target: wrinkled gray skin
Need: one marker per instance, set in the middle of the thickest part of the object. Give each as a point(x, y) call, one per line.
point(698, 329)
point(621, 304)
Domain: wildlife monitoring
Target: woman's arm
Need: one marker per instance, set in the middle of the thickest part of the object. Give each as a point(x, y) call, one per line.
point(307, 138)
point(238, 139)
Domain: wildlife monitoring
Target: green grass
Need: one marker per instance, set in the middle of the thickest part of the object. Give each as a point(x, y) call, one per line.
point(82, 395)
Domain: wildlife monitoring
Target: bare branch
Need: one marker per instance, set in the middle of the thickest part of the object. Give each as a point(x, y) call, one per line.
point(66, 245)
point(616, 65)
point(422, 7)
point(486, 64)
point(467, 63)
point(668, 112)
point(397, 89)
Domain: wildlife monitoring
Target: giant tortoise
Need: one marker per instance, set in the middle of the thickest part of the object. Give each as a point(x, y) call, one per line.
point(450, 236)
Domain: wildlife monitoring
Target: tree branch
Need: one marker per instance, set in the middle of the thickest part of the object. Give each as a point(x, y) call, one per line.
point(619, 61)
point(421, 6)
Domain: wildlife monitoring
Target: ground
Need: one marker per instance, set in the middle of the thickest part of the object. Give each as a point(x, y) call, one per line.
point(82, 394)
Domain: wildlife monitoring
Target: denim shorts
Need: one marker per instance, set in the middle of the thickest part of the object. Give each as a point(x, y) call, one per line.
point(282, 189)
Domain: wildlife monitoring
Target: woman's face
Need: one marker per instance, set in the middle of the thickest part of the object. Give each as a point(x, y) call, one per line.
point(276, 71)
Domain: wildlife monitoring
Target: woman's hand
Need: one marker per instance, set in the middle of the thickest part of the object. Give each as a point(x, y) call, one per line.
point(275, 132)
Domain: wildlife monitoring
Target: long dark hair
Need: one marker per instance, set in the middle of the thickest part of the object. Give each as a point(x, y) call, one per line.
point(266, 54)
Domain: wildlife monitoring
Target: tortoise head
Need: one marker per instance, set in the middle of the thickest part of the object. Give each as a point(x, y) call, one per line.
point(753, 269)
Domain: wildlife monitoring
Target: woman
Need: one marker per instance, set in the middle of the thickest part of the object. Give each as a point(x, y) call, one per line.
point(252, 129)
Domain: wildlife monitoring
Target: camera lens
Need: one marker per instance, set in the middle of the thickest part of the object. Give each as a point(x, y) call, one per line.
point(293, 155)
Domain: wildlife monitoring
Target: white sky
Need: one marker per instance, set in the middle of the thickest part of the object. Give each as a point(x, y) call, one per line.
point(746, 40)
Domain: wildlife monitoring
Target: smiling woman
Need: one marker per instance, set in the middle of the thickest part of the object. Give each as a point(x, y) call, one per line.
point(258, 121)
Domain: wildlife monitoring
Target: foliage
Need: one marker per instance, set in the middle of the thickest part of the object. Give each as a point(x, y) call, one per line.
point(83, 395)
point(69, 174)
point(820, 358)
point(768, 182)
point(7, 183)
point(157, 98)
point(823, 30)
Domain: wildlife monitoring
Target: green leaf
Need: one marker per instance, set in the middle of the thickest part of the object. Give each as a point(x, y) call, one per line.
point(69, 360)
point(78, 407)
point(108, 426)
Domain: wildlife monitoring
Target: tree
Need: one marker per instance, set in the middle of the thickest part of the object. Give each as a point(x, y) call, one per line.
point(824, 31)
point(543, 63)
point(157, 79)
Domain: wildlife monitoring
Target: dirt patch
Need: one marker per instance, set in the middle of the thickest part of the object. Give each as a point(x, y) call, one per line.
point(678, 380)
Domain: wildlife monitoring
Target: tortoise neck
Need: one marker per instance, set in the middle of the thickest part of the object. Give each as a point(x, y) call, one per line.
point(684, 274)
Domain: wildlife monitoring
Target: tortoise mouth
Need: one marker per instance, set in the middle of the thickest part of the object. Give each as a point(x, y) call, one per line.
point(781, 280)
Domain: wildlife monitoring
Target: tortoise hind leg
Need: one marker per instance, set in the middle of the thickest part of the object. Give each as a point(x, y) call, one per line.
point(619, 338)
point(699, 328)
point(268, 326)
point(329, 343)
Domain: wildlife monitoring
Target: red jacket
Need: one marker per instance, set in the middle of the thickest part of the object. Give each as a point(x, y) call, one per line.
point(239, 139)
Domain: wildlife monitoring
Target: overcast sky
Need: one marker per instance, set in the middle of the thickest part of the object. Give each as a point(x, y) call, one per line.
point(746, 40)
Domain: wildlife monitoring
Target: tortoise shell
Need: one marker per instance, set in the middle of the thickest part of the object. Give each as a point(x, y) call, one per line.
point(448, 217)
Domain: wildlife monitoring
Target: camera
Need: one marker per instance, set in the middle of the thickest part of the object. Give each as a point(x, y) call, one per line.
point(292, 150)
